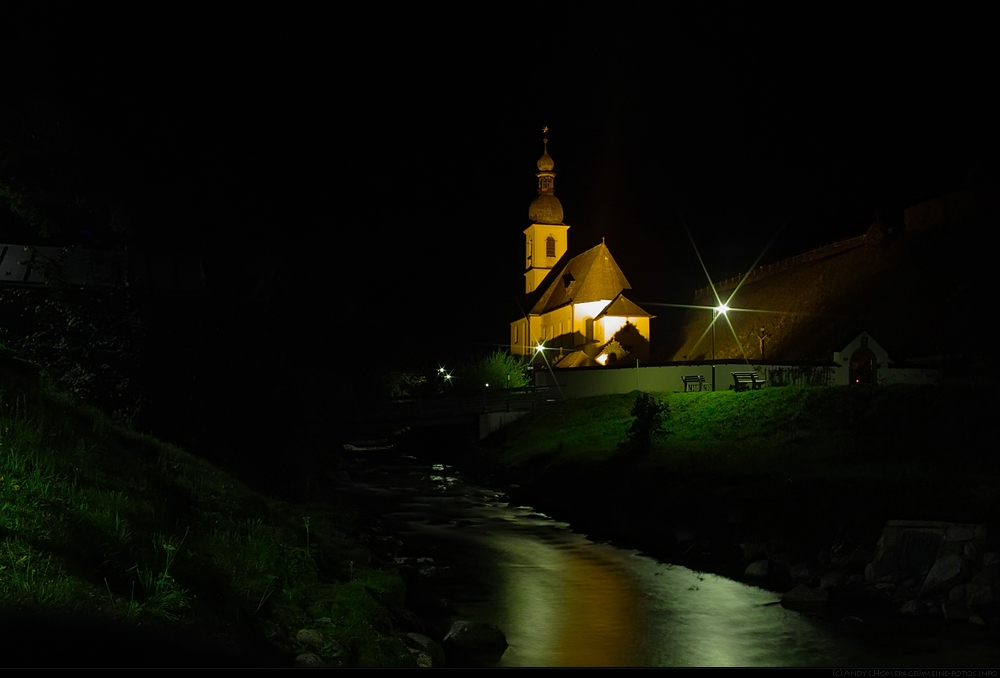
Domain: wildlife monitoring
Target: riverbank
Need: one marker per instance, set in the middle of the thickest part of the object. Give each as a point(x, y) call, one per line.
point(779, 487)
point(117, 549)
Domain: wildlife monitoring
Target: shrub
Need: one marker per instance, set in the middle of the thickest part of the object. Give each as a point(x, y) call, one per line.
point(650, 416)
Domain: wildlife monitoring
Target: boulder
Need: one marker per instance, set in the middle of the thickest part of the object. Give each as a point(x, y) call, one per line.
point(478, 642)
point(847, 561)
point(311, 638)
point(425, 646)
point(984, 589)
point(832, 580)
point(902, 595)
point(955, 609)
point(879, 570)
point(309, 660)
point(885, 589)
point(947, 572)
point(801, 572)
point(804, 598)
point(757, 570)
point(751, 551)
point(683, 536)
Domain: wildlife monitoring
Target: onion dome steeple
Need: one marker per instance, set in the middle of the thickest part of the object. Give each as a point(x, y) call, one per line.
point(546, 208)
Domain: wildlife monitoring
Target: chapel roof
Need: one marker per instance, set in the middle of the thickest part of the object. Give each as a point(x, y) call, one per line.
point(590, 276)
point(576, 359)
point(622, 307)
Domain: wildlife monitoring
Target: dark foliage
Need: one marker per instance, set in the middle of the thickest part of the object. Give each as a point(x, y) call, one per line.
point(650, 416)
point(88, 343)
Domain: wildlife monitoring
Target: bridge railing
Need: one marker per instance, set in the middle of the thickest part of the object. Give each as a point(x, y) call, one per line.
point(501, 400)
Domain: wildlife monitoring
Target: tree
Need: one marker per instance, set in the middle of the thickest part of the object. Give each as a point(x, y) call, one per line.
point(498, 370)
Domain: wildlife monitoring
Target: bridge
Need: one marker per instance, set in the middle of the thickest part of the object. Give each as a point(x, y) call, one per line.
point(488, 412)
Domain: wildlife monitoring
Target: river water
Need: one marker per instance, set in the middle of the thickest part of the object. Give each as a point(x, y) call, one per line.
point(563, 600)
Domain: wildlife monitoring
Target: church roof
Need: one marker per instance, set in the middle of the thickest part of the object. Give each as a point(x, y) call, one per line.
point(576, 359)
point(622, 307)
point(590, 276)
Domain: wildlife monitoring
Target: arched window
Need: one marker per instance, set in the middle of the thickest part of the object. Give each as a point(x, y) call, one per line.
point(550, 247)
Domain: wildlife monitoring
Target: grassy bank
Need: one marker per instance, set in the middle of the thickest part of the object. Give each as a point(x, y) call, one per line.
point(795, 468)
point(172, 560)
point(799, 432)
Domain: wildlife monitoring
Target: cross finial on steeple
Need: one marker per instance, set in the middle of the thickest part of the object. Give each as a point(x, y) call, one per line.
point(545, 130)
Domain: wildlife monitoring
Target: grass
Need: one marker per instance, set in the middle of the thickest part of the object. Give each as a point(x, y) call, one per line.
point(890, 437)
point(100, 521)
point(586, 429)
point(795, 469)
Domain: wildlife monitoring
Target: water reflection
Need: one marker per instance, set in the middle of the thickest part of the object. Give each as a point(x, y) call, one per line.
point(565, 601)
point(564, 607)
point(583, 604)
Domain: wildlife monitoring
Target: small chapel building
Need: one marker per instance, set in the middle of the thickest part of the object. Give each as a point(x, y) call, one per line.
point(575, 305)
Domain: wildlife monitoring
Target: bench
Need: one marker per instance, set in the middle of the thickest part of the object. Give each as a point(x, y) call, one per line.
point(692, 380)
point(744, 380)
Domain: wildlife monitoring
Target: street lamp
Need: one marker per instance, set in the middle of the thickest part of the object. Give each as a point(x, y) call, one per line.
point(716, 312)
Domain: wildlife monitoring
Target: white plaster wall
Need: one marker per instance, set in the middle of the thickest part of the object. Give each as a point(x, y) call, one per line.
point(587, 382)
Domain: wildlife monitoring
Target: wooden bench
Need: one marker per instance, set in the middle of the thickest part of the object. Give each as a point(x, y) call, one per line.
point(692, 380)
point(744, 380)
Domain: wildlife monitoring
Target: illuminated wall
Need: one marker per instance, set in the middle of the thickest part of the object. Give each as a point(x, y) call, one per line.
point(537, 251)
point(588, 311)
point(610, 324)
point(525, 334)
point(568, 328)
point(557, 327)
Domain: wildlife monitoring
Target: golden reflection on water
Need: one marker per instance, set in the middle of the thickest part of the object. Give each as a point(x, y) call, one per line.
point(600, 606)
point(570, 608)
point(584, 638)
point(562, 600)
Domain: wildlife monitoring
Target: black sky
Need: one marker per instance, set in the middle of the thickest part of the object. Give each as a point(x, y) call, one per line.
point(387, 162)
point(746, 135)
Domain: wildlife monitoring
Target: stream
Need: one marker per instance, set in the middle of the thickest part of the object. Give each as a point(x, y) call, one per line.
point(563, 600)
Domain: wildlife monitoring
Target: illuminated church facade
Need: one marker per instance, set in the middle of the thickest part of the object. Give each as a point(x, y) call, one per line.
point(573, 305)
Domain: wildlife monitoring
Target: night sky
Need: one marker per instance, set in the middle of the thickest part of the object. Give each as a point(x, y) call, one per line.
point(746, 136)
point(382, 167)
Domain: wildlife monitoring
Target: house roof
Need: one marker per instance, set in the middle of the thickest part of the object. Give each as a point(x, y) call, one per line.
point(590, 276)
point(28, 266)
point(622, 307)
point(913, 292)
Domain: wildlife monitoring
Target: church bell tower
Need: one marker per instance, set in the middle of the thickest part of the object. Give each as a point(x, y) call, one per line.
point(546, 239)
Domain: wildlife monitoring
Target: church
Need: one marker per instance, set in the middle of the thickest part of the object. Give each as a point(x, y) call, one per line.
point(574, 306)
